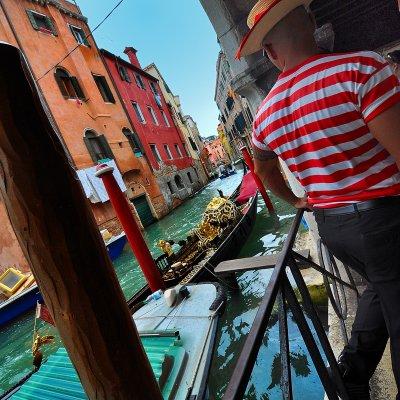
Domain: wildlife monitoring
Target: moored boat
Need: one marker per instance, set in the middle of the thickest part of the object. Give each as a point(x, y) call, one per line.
point(228, 246)
point(179, 355)
point(115, 245)
point(19, 304)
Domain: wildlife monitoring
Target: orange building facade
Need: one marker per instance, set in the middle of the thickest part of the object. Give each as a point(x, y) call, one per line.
point(216, 152)
point(81, 98)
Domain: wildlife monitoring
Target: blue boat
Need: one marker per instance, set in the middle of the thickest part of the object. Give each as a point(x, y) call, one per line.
point(115, 245)
point(26, 301)
point(19, 304)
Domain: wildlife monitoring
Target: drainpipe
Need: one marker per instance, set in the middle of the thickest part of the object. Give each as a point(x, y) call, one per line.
point(48, 110)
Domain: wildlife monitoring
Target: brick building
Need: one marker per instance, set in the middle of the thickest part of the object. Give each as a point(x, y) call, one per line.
point(81, 98)
point(154, 128)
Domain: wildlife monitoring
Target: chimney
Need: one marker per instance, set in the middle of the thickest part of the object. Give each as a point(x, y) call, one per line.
point(131, 53)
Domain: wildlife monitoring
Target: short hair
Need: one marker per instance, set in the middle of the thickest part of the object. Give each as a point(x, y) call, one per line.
point(280, 27)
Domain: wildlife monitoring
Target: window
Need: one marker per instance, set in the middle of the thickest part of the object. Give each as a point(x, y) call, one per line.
point(134, 142)
point(193, 144)
point(104, 89)
point(138, 112)
point(178, 150)
point(157, 97)
point(240, 123)
point(97, 145)
point(153, 88)
point(168, 151)
point(41, 22)
point(190, 177)
point(139, 81)
point(80, 35)
point(69, 85)
point(229, 103)
point(165, 118)
point(178, 182)
point(123, 73)
point(170, 187)
point(153, 115)
point(156, 154)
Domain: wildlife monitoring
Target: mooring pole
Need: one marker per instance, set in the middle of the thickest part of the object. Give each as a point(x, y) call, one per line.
point(249, 161)
point(132, 231)
point(62, 243)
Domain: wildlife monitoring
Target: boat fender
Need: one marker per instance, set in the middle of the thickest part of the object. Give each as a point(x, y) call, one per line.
point(155, 296)
point(220, 299)
point(184, 292)
point(170, 297)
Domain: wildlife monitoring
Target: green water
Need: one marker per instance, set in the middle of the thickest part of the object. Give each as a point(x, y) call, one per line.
point(267, 237)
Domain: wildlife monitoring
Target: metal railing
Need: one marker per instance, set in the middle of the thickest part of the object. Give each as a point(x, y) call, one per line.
point(279, 289)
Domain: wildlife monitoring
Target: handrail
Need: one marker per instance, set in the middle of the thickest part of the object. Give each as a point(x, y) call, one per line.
point(279, 288)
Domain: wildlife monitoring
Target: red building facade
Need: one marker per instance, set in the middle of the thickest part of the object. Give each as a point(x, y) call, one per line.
point(155, 133)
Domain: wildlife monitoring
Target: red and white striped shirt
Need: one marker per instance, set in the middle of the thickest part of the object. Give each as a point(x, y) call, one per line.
point(315, 119)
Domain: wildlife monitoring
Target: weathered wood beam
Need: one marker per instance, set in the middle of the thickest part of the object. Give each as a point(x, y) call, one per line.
point(251, 263)
point(59, 237)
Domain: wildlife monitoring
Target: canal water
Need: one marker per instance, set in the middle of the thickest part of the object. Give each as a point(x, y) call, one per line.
point(267, 237)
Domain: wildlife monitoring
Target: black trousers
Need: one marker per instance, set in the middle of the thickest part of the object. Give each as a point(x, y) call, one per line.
point(369, 242)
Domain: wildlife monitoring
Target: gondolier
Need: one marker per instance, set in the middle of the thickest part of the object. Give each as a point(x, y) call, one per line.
point(334, 119)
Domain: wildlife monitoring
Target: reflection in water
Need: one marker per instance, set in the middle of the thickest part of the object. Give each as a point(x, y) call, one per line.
point(267, 237)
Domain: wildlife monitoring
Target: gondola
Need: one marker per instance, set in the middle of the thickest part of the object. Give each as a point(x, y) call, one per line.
point(202, 267)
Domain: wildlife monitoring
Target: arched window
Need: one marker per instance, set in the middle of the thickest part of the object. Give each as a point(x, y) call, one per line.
point(97, 146)
point(134, 142)
point(69, 85)
point(190, 177)
point(179, 182)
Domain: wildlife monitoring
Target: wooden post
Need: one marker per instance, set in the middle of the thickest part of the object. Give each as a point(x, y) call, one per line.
point(59, 237)
point(132, 231)
point(249, 161)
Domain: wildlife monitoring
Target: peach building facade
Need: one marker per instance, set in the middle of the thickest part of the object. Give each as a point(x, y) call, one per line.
point(82, 100)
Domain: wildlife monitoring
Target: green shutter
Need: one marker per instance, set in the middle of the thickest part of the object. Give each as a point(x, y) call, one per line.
point(77, 87)
point(51, 26)
point(60, 84)
point(90, 149)
point(86, 39)
point(105, 146)
point(32, 19)
point(110, 97)
point(138, 142)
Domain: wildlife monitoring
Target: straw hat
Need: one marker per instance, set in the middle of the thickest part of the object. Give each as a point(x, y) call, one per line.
point(262, 18)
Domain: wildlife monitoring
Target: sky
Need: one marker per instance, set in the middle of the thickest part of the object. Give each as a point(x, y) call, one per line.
point(177, 36)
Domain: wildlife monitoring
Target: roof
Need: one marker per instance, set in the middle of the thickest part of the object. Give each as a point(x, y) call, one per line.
point(153, 65)
point(57, 379)
point(127, 64)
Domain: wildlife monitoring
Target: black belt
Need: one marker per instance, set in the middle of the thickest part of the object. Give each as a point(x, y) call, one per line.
point(357, 207)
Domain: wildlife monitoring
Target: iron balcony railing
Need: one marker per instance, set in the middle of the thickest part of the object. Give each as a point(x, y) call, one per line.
point(279, 289)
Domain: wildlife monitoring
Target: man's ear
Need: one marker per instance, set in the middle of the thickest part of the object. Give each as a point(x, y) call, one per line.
point(271, 52)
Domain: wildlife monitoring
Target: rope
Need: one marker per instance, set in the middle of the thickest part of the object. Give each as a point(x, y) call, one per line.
point(222, 281)
point(34, 325)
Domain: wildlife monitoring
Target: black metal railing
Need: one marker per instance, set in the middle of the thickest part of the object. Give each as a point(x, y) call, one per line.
point(279, 289)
